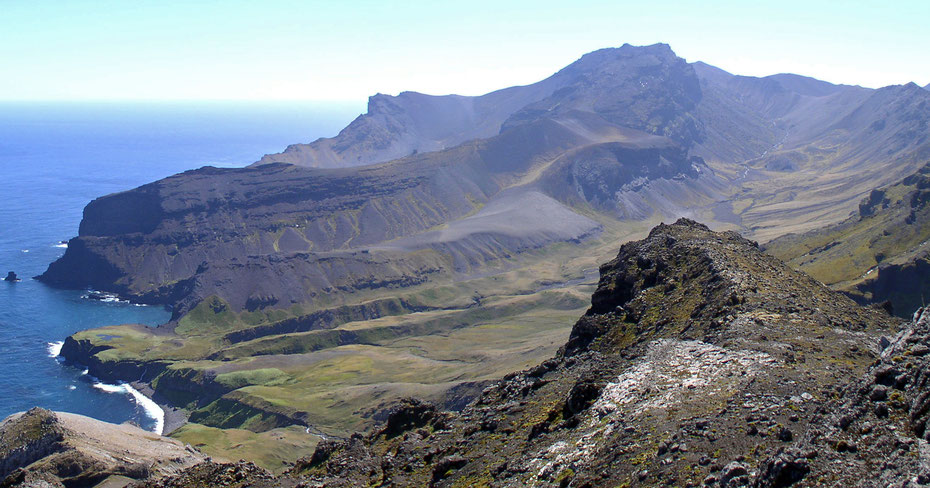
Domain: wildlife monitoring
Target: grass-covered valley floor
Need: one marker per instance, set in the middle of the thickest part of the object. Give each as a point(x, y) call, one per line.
point(259, 387)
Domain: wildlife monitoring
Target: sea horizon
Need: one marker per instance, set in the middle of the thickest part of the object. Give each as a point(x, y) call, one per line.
point(56, 157)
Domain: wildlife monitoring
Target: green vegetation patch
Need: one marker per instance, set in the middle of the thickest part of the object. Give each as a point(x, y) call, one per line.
point(264, 376)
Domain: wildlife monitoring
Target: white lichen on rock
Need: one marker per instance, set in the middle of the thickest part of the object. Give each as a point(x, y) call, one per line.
point(669, 375)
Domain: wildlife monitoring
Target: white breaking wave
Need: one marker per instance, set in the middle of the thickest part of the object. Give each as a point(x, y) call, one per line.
point(102, 296)
point(152, 410)
point(63, 245)
point(54, 348)
point(110, 388)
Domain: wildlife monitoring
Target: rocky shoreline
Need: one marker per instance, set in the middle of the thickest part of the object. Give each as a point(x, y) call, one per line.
point(74, 353)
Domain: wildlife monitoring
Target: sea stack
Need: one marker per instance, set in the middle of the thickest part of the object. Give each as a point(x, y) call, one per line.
point(11, 277)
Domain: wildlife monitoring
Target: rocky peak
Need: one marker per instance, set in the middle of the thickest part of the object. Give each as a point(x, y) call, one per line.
point(646, 88)
point(28, 438)
point(609, 59)
point(687, 281)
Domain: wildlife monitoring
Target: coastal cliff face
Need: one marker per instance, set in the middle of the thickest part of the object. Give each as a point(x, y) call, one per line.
point(702, 361)
point(276, 236)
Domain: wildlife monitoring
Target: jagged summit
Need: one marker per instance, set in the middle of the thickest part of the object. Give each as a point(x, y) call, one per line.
point(710, 279)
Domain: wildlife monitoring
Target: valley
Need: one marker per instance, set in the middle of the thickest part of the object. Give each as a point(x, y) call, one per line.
point(438, 244)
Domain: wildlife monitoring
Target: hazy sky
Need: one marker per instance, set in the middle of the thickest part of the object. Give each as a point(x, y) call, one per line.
point(347, 50)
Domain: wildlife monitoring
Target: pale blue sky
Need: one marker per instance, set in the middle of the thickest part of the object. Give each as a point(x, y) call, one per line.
point(347, 50)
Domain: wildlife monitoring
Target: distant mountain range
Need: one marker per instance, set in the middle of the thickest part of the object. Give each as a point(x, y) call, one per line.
point(633, 133)
point(446, 239)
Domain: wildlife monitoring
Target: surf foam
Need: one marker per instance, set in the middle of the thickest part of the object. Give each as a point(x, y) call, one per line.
point(152, 410)
point(54, 348)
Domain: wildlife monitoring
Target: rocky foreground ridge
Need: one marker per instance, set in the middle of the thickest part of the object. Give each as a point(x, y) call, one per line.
point(701, 362)
point(53, 449)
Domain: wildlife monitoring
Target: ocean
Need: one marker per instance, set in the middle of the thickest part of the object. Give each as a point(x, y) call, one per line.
point(55, 157)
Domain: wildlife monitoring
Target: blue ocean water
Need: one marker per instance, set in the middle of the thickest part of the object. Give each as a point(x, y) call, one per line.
point(56, 157)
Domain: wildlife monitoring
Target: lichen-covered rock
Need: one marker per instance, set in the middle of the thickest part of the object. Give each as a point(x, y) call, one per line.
point(876, 434)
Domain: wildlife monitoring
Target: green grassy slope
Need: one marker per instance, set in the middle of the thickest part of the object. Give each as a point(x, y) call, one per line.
point(866, 254)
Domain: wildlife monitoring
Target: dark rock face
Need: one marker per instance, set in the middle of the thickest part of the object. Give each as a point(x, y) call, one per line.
point(242, 474)
point(83, 353)
point(185, 236)
point(905, 287)
point(409, 415)
point(11, 277)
